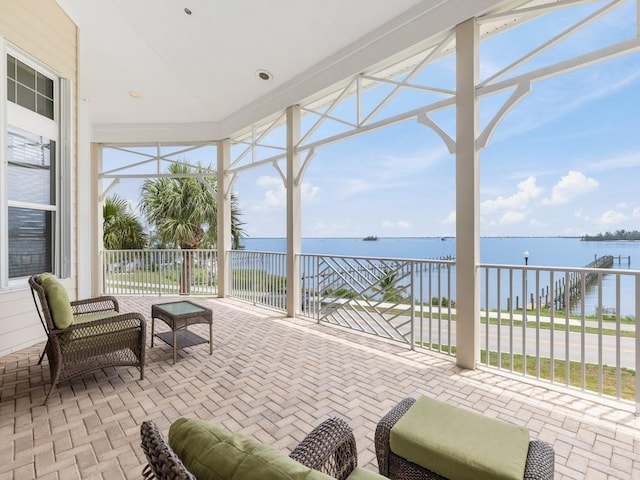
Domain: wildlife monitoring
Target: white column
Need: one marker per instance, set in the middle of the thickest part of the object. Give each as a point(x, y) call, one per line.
point(86, 181)
point(294, 217)
point(223, 204)
point(96, 226)
point(467, 197)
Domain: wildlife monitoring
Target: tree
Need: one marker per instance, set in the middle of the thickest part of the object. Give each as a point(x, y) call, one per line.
point(183, 211)
point(121, 228)
point(388, 287)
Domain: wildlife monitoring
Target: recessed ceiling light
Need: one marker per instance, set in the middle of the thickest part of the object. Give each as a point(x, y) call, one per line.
point(133, 94)
point(264, 75)
point(187, 11)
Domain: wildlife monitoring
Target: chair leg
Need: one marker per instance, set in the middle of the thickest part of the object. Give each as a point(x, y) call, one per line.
point(48, 393)
point(43, 352)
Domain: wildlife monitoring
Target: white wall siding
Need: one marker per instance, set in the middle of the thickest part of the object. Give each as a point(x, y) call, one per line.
point(43, 31)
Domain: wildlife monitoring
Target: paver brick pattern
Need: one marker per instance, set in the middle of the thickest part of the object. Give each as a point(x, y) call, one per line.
point(275, 378)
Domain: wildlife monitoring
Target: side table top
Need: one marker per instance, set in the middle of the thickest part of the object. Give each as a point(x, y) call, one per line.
point(182, 307)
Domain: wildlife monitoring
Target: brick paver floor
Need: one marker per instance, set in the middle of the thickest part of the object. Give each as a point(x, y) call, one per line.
point(276, 378)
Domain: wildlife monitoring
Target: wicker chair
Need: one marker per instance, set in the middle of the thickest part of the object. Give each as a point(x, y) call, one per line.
point(86, 346)
point(539, 464)
point(330, 448)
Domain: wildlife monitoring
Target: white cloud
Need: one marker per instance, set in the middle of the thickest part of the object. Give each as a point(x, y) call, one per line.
point(345, 228)
point(268, 182)
point(410, 164)
point(572, 185)
point(537, 223)
point(527, 191)
point(610, 217)
point(629, 160)
point(451, 218)
point(356, 186)
point(396, 225)
point(636, 213)
point(275, 196)
point(511, 217)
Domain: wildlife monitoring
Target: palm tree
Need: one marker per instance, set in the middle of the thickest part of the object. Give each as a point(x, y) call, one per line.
point(388, 288)
point(121, 228)
point(183, 211)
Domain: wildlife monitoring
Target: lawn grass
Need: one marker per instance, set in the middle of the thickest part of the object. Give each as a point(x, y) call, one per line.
point(514, 363)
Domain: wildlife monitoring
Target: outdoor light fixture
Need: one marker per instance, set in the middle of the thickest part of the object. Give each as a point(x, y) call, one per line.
point(526, 258)
point(264, 75)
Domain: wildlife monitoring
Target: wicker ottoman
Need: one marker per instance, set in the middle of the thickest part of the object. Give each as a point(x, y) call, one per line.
point(539, 463)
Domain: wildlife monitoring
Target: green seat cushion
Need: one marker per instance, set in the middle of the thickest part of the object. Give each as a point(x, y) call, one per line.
point(362, 474)
point(459, 444)
point(92, 317)
point(58, 300)
point(212, 453)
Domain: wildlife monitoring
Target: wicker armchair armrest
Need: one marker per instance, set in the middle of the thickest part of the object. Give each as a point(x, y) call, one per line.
point(383, 430)
point(540, 461)
point(96, 304)
point(329, 448)
point(163, 463)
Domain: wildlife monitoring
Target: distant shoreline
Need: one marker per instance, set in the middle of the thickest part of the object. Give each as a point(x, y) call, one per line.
point(430, 236)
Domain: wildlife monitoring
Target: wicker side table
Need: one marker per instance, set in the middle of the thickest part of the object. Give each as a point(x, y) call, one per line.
point(178, 316)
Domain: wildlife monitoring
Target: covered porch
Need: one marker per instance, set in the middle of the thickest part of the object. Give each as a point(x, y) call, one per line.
point(276, 375)
point(275, 378)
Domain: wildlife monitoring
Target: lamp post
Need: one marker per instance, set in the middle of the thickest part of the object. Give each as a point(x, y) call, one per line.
point(524, 303)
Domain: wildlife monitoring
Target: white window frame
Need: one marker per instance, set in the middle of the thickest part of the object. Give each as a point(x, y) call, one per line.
point(13, 115)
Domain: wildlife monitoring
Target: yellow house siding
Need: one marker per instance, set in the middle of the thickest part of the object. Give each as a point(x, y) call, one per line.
point(43, 31)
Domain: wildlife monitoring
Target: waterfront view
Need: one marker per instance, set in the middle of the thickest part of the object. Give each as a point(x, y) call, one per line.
point(543, 252)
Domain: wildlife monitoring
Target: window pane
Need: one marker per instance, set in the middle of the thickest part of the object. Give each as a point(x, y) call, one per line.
point(31, 163)
point(30, 242)
point(26, 75)
point(26, 98)
point(11, 90)
point(11, 67)
point(45, 86)
point(45, 106)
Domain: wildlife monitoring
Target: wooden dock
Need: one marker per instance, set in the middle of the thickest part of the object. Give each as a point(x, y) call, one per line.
point(572, 284)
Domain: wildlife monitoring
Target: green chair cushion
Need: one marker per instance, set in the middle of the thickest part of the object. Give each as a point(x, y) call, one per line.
point(459, 444)
point(58, 300)
point(212, 453)
point(362, 474)
point(92, 317)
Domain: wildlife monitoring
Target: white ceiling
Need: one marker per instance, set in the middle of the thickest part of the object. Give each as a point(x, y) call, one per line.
point(195, 75)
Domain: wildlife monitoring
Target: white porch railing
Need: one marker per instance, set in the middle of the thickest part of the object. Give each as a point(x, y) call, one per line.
point(577, 326)
point(592, 323)
point(404, 300)
point(259, 278)
point(159, 272)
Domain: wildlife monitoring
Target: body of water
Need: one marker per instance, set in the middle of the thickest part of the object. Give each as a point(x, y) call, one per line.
point(543, 252)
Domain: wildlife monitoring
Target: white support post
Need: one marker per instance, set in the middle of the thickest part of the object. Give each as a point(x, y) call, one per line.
point(96, 204)
point(294, 217)
point(467, 196)
point(223, 199)
point(87, 183)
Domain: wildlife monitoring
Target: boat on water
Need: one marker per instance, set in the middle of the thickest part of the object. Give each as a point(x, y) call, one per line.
point(370, 238)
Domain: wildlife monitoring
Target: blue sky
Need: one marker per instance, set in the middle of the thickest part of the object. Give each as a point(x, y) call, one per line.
point(565, 161)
